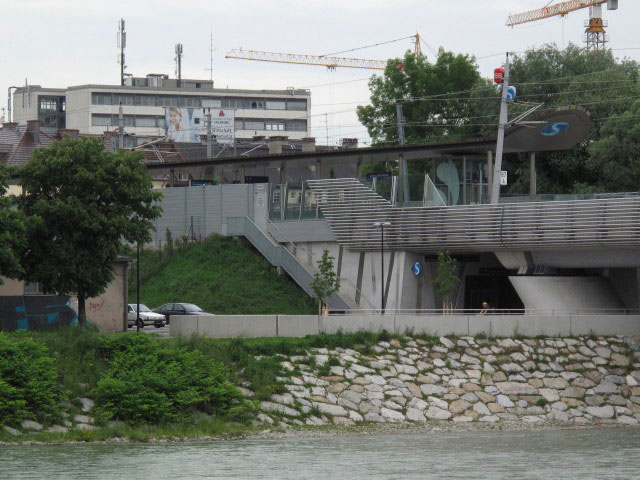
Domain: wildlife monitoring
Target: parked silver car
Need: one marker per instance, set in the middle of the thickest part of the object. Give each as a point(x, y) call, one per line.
point(147, 317)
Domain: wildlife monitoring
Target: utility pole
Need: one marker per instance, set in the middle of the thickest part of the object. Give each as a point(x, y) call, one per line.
point(120, 127)
point(122, 43)
point(209, 142)
point(179, 63)
point(504, 116)
point(404, 175)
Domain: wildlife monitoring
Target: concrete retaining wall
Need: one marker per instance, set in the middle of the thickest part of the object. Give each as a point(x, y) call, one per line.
point(225, 326)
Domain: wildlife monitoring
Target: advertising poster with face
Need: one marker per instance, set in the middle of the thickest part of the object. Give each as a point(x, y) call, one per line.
point(189, 124)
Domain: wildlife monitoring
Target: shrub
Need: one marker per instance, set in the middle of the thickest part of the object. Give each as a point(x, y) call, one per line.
point(28, 382)
point(146, 384)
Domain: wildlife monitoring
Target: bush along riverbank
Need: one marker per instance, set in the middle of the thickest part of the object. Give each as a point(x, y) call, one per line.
point(80, 385)
point(568, 381)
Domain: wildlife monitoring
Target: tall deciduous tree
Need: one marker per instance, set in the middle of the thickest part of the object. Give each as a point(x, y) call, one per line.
point(81, 203)
point(435, 99)
point(597, 81)
point(12, 231)
point(615, 158)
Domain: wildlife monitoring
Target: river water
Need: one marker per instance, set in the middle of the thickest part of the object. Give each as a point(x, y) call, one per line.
point(580, 454)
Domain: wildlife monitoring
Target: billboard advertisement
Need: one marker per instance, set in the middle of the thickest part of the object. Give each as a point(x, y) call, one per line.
point(188, 124)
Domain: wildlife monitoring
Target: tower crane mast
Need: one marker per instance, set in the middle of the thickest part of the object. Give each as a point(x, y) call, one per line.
point(595, 34)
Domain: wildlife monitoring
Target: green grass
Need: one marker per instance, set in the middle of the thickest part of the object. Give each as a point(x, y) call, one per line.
point(221, 276)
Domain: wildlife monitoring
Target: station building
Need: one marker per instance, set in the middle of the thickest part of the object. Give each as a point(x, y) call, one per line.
point(535, 254)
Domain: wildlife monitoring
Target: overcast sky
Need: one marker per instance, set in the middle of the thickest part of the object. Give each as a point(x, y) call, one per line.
point(58, 43)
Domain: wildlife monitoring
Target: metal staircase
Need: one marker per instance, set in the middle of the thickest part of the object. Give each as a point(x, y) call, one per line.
point(279, 256)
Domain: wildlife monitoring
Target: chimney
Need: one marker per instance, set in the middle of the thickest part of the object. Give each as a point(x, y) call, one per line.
point(275, 144)
point(349, 143)
point(10, 125)
point(309, 144)
point(33, 127)
point(61, 132)
point(259, 138)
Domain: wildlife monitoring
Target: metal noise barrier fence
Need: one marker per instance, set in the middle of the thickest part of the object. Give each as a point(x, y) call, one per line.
point(351, 209)
point(524, 312)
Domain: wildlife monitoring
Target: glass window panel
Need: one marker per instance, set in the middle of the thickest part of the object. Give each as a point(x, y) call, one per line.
point(145, 121)
point(211, 103)
point(189, 101)
point(101, 99)
point(299, 105)
point(254, 103)
point(276, 104)
point(123, 99)
point(253, 124)
point(100, 120)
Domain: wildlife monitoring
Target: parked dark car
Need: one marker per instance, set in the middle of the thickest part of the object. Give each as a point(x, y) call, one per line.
point(169, 309)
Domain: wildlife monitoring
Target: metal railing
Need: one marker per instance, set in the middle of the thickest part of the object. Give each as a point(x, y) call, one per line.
point(343, 281)
point(278, 256)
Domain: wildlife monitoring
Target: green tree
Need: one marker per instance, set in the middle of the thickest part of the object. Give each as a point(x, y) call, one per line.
point(435, 98)
point(596, 81)
point(12, 231)
point(446, 281)
point(325, 281)
point(615, 158)
point(81, 202)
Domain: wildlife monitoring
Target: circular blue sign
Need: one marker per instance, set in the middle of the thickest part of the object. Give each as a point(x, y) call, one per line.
point(417, 268)
point(554, 129)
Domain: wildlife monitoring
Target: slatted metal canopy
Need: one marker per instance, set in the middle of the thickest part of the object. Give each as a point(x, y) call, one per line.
point(351, 210)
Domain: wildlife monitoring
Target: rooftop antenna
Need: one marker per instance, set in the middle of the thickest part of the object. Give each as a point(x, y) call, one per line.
point(122, 43)
point(179, 63)
point(211, 52)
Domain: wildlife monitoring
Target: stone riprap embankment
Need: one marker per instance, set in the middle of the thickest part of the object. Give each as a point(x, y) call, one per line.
point(551, 380)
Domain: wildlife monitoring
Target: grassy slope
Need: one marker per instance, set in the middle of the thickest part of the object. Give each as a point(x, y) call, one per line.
point(222, 277)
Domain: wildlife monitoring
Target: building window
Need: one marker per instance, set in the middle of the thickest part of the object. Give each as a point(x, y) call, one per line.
point(229, 102)
point(298, 105)
point(145, 121)
point(276, 104)
point(189, 101)
point(98, 120)
point(254, 103)
point(251, 124)
point(48, 104)
point(297, 125)
point(274, 125)
point(211, 103)
point(145, 100)
point(123, 99)
point(101, 99)
point(167, 101)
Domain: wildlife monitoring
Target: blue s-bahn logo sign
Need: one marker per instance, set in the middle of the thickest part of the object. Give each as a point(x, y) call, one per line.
point(554, 129)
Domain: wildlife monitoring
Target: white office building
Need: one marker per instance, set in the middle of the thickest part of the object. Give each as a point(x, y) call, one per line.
point(93, 109)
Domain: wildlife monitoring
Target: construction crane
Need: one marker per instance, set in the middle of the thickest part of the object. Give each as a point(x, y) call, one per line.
point(322, 60)
point(330, 62)
point(595, 33)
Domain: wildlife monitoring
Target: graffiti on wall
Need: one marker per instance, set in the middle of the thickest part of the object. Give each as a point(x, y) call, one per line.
point(32, 312)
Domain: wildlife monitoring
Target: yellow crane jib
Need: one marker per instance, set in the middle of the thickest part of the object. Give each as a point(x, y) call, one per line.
point(562, 8)
point(325, 61)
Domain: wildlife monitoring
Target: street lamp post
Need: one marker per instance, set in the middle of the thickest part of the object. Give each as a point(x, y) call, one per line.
point(382, 225)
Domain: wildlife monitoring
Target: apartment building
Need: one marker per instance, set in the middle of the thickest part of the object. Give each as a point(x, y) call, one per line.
point(146, 102)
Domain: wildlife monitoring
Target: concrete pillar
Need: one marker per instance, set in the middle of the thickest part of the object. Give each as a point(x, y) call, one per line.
point(533, 187)
point(282, 173)
point(318, 169)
